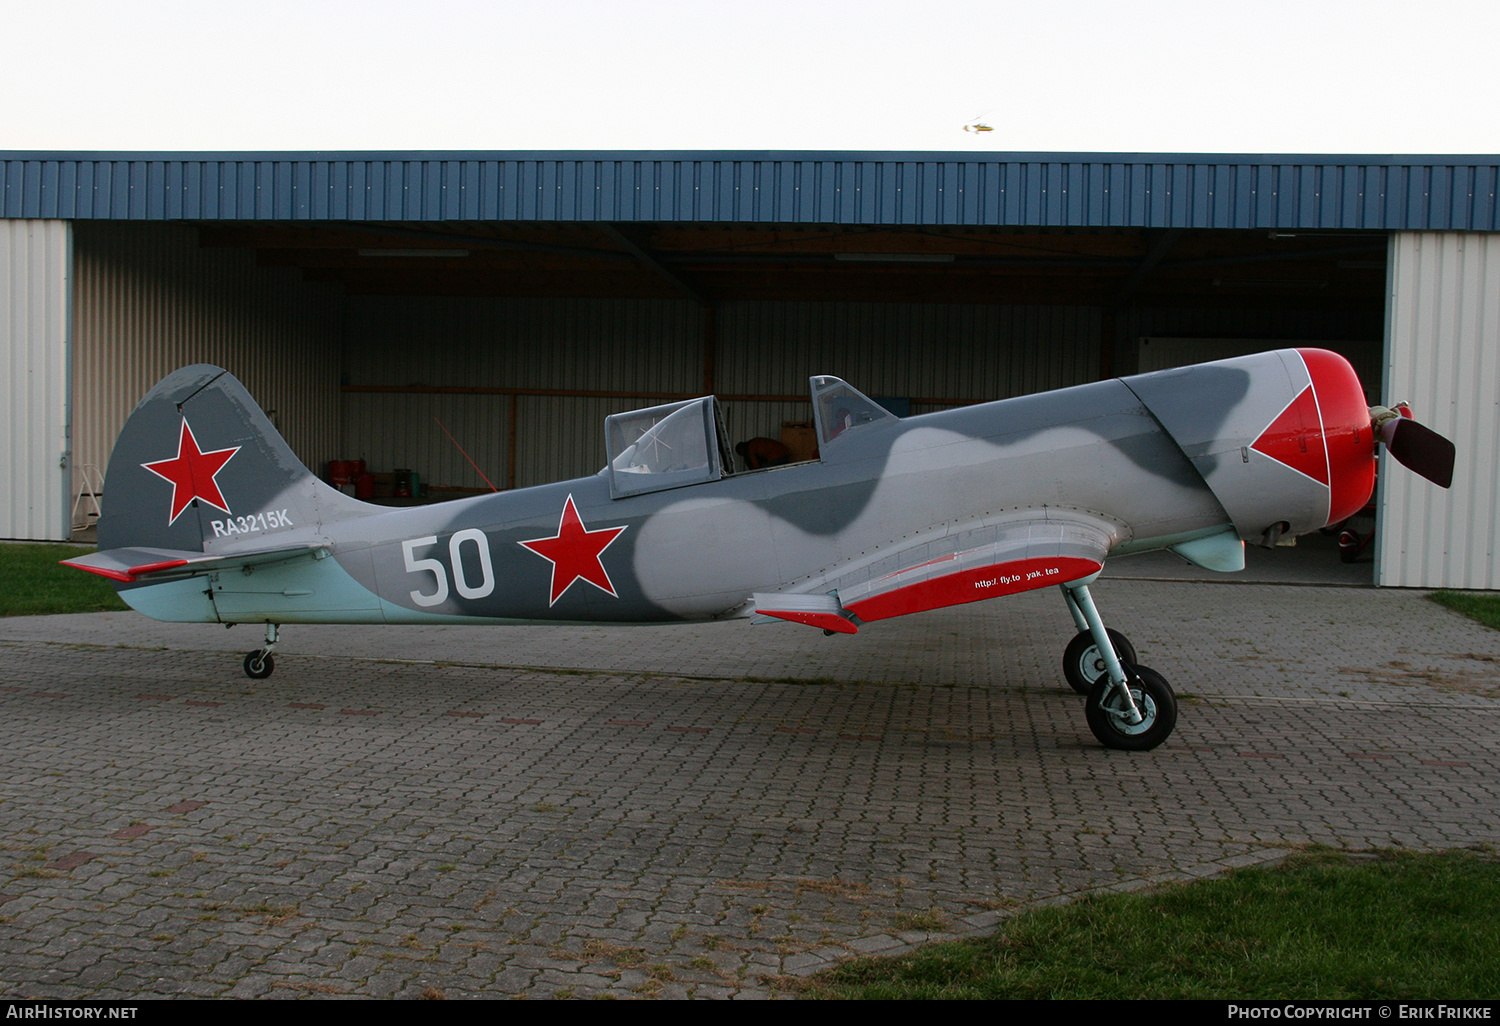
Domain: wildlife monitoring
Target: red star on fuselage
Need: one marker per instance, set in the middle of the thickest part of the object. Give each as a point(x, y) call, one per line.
point(574, 552)
point(192, 473)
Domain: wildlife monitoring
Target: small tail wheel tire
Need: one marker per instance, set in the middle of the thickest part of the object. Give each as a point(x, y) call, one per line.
point(259, 664)
point(1108, 715)
point(1083, 664)
point(1349, 546)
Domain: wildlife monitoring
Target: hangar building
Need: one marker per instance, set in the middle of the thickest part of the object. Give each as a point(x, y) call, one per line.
point(396, 306)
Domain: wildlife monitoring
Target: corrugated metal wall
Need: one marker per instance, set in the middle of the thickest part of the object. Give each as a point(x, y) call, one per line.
point(1443, 355)
point(1346, 331)
point(35, 260)
point(962, 352)
point(147, 300)
point(938, 353)
point(1074, 189)
point(641, 346)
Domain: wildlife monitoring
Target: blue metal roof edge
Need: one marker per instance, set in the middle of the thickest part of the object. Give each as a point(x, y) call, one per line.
point(1385, 193)
point(895, 156)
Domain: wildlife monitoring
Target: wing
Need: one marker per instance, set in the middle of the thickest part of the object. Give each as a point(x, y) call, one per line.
point(949, 568)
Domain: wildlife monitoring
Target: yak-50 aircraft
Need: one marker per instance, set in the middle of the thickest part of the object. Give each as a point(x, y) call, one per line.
point(209, 517)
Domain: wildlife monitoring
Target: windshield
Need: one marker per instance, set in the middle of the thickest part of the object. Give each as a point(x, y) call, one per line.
point(662, 444)
point(840, 408)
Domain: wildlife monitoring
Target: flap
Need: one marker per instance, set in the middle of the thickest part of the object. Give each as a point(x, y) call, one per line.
point(814, 610)
point(130, 565)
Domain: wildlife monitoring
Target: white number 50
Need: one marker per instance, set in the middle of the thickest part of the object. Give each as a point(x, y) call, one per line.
point(414, 565)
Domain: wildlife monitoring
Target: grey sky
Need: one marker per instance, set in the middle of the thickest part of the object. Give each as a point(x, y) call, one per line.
point(1338, 76)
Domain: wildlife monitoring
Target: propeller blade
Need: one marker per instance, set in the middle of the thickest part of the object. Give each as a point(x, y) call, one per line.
point(1420, 449)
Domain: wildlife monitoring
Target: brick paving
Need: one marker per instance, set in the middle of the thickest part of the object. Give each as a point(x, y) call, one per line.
point(698, 811)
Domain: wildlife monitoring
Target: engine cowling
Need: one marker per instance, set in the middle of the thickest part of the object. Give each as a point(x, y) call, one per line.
point(1282, 439)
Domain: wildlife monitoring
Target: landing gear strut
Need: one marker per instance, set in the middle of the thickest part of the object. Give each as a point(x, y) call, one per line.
point(1083, 662)
point(1129, 706)
point(259, 664)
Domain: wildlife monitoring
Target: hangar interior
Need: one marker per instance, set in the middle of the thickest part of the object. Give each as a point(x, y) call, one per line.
point(378, 342)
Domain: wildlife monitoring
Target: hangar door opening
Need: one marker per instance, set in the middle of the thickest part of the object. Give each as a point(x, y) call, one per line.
point(466, 355)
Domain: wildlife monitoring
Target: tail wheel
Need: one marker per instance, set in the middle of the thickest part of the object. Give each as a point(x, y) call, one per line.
point(1083, 664)
point(1108, 715)
point(259, 664)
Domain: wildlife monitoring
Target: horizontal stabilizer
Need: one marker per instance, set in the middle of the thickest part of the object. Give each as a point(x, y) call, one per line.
point(130, 565)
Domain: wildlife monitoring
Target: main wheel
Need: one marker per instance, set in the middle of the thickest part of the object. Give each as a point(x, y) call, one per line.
point(1107, 713)
point(259, 664)
point(1083, 664)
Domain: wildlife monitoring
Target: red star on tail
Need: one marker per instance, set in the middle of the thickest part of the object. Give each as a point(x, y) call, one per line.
point(574, 552)
point(192, 473)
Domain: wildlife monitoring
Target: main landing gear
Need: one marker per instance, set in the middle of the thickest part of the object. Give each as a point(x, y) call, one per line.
point(1129, 706)
point(259, 664)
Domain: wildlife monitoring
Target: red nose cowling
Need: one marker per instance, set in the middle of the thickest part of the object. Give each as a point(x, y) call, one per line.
point(1348, 438)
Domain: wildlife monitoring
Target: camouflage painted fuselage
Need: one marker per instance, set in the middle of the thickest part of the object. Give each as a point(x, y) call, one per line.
point(896, 516)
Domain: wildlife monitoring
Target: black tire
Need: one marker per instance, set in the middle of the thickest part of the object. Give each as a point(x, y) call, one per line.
point(259, 665)
point(1349, 547)
point(1082, 663)
point(1153, 697)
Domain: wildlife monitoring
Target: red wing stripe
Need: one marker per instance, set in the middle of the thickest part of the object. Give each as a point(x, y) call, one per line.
point(1008, 578)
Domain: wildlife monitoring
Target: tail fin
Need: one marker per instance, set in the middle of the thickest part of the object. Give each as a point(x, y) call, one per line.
point(199, 468)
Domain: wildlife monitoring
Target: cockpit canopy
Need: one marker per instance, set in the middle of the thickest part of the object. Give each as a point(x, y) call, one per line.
point(685, 443)
point(666, 447)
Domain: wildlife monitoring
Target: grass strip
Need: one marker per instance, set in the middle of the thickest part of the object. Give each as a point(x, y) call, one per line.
point(32, 583)
point(1484, 608)
point(1322, 925)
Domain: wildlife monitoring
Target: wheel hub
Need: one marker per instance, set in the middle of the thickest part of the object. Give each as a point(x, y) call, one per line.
point(1117, 712)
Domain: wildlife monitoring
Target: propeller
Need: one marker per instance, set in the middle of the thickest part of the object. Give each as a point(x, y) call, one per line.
point(1415, 446)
